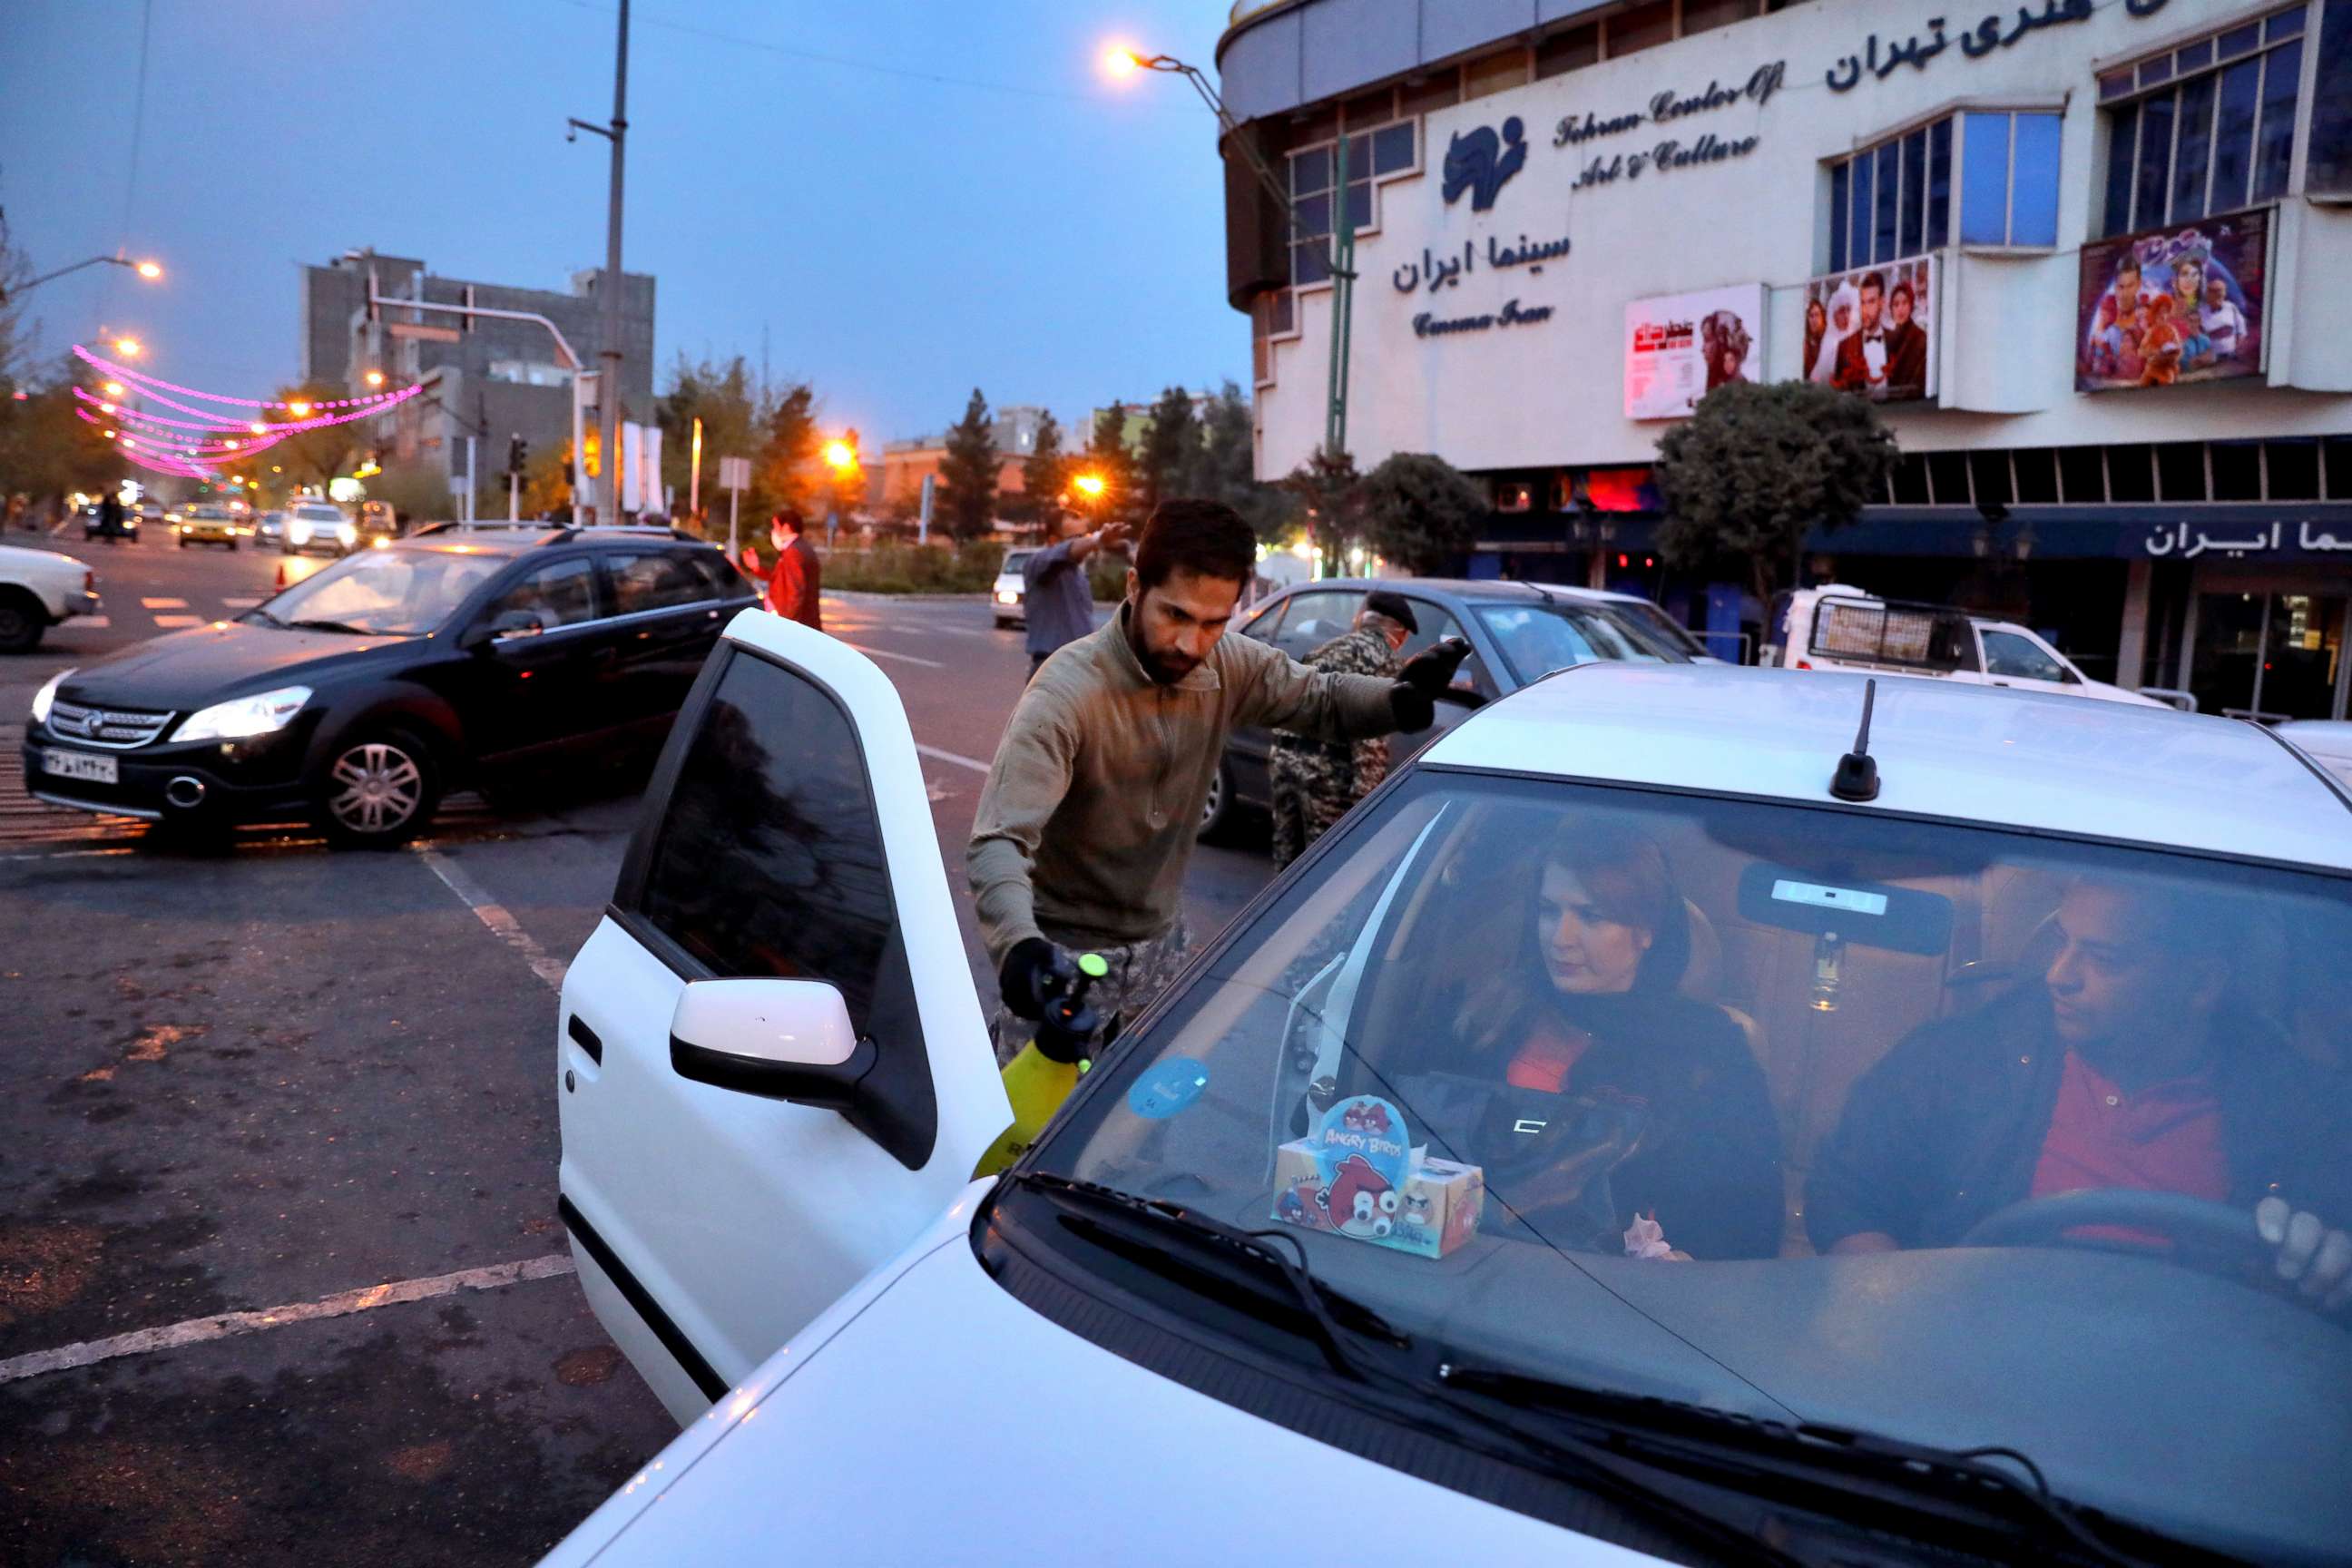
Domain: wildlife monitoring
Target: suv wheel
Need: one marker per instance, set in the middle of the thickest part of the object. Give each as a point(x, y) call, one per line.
point(379, 788)
point(22, 621)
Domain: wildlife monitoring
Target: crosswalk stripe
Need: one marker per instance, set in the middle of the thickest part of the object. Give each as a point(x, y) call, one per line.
point(885, 653)
point(242, 602)
point(96, 623)
point(173, 623)
point(162, 604)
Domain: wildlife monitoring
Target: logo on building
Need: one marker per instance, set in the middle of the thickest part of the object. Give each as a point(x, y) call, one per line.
point(1482, 161)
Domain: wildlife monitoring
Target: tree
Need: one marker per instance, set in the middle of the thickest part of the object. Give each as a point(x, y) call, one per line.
point(1757, 465)
point(1108, 460)
point(1045, 471)
point(416, 490)
point(1332, 498)
point(47, 450)
point(1225, 468)
point(1171, 447)
point(1420, 512)
point(722, 397)
point(968, 475)
point(318, 455)
point(786, 473)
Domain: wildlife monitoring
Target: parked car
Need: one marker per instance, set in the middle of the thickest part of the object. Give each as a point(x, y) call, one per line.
point(1518, 633)
point(206, 523)
point(360, 695)
point(1837, 627)
point(2329, 741)
point(93, 523)
point(39, 589)
point(269, 530)
point(1009, 597)
point(318, 528)
point(774, 1081)
point(1647, 618)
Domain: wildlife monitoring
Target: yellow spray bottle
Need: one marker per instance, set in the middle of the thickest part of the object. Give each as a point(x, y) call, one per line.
point(1041, 1077)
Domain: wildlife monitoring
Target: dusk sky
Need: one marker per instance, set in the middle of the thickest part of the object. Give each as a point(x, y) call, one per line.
point(1027, 227)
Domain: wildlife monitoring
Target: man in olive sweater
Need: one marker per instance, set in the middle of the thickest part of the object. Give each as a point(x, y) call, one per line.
point(1085, 826)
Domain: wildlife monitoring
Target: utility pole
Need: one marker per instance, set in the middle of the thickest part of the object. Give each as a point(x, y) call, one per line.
point(608, 391)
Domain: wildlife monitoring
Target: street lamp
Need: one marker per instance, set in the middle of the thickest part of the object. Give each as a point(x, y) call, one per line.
point(127, 347)
point(840, 454)
point(150, 270)
point(375, 378)
point(1121, 61)
point(113, 389)
point(299, 409)
point(1088, 485)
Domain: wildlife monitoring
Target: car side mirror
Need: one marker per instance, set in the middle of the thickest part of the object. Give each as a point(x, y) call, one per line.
point(791, 1040)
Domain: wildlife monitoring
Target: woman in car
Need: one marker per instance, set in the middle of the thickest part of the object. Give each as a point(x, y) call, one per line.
point(1590, 1012)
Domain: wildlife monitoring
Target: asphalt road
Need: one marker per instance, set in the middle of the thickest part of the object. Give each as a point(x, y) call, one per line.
point(312, 1088)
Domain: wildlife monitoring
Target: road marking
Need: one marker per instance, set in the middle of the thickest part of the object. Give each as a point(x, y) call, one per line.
point(885, 653)
point(162, 604)
point(493, 914)
point(173, 623)
point(223, 1325)
point(96, 623)
point(241, 603)
point(974, 763)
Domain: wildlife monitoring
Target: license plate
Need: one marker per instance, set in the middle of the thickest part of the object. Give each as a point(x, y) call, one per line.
point(79, 765)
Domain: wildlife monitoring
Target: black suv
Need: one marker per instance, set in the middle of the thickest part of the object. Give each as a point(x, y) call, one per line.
point(358, 697)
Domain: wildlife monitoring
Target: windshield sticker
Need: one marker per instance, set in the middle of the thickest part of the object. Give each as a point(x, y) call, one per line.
point(1358, 1175)
point(1169, 1087)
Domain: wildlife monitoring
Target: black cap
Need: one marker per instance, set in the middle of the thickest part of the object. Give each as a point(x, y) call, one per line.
point(1395, 606)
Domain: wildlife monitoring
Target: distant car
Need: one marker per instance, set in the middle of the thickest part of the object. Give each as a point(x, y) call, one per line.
point(1009, 594)
point(93, 523)
point(377, 520)
point(269, 530)
point(1518, 633)
point(318, 528)
point(39, 588)
point(206, 523)
point(1646, 617)
point(1834, 627)
point(359, 696)
point(2328, 742)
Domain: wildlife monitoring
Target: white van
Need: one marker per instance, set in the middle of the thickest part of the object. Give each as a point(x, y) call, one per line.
point(1836, 626)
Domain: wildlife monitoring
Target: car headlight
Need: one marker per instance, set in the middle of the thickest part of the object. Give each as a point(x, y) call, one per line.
point(47, 695)
point(298, 531)
point(347, 533)
point(233, 721)
point(1007, 597)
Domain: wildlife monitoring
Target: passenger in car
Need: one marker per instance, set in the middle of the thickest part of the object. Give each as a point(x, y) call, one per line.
point(1590, 1010)
point(2129, 1063)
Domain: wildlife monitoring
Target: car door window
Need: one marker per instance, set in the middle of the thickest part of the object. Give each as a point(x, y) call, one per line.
point(559, 594)
point(2014, 658)
point(1432, 625)
point(770, 863)
point(657, 580)
point(1262, 627)
point(1314, 619)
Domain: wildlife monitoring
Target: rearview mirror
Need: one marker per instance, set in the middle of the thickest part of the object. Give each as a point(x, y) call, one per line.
point(792, 1040)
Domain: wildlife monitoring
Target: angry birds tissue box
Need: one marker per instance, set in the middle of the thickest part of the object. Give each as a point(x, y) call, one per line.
point(1356, 1174)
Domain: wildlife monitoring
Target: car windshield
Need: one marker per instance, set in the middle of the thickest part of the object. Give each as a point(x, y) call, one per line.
point(1015, 560)
point(1766, 1106)
point(396, 591)
point(1660, 626)
point(1536, 639)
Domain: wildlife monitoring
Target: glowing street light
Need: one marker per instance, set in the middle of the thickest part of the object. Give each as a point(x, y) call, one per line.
point(147, 269)
point(375, 378)
point(1088, 485)
point(113, 389)
point(840, 454)
point(1120, 60)
point(151, 271)
point(129, 348)
point(299, 410)
point(258, 429)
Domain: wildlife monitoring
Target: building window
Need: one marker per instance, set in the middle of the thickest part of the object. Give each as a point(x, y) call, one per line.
point(2328, 163)
point(2009, 178)
point(1511, 495)
point(1893, 199)
point(2209, 126)
point(1567, 50)
point(1374, 154)
point(1641, 28)
point(1706, 15)
point(1272, 315)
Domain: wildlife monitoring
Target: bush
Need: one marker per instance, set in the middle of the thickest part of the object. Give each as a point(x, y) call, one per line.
point(914, 568)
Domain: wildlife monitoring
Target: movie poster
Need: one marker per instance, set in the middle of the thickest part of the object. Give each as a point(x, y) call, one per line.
point(1873, 330)
point(2169, 307)
point(1680, 347)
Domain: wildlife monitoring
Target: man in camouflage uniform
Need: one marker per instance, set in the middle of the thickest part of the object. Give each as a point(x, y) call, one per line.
point(1315, 782)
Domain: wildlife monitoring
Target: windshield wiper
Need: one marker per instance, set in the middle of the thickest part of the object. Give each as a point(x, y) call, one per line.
point(2014, 1502)
point(311, 625)
point(257, 613)
point(1344, 1324)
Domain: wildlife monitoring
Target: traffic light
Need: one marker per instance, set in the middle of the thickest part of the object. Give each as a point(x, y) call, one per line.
point(517, 450)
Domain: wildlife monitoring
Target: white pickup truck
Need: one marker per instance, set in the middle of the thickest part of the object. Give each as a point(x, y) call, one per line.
point(39, 588)
point(1836, 626)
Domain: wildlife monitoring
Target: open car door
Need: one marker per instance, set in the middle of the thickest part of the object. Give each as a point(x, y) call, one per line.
point(772, 1067)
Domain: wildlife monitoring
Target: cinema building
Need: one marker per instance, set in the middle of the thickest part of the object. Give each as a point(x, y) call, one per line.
point(2093, 258)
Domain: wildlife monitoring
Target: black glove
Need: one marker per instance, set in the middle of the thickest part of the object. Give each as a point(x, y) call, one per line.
point(1413, 699)
point(1034, 972)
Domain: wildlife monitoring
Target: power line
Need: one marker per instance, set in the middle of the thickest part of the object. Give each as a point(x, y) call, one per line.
point(138, 133)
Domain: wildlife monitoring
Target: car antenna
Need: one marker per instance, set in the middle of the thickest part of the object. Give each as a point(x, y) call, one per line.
point(1857, 774)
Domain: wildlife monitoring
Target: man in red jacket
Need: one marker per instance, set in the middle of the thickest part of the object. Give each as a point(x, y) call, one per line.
point(794, 582)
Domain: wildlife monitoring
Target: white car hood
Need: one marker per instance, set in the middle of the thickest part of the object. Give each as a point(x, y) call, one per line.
point(27, 565)
point(945, 1421)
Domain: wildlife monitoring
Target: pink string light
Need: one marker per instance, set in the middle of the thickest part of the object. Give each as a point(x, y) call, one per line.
point(284, 426)
point(123, 371)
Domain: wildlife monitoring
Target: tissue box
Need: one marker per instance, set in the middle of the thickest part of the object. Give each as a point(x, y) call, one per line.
point(1434, 1212)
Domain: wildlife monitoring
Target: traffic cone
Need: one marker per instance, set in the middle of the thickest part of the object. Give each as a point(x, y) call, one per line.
point(281, 573)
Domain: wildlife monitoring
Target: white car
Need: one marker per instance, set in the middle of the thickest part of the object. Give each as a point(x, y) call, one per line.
point(1838, 627)
point(1647, 616)
point(1237, 1306)
point(2329, 741)
point(318, 526)
point(1008, 596)
point(39, 588)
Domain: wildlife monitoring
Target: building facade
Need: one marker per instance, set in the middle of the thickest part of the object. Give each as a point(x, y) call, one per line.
point(2090, 259)
point(486, 378)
